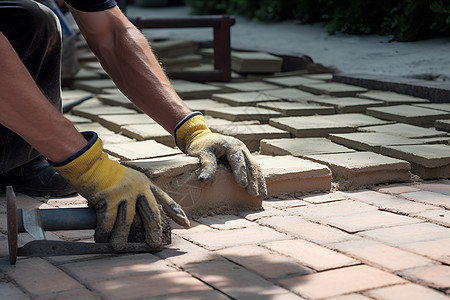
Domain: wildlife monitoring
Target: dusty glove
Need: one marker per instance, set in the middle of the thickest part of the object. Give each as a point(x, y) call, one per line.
point(117, 193)
point(194, 138)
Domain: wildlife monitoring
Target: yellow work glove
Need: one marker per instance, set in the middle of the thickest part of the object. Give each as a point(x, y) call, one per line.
point(117, 193)
point(194, 138)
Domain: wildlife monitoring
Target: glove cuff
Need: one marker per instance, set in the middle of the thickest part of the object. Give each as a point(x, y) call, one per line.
point(77, 164)
point(188, 128)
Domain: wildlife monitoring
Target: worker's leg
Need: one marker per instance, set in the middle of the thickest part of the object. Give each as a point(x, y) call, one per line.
point(34, 32)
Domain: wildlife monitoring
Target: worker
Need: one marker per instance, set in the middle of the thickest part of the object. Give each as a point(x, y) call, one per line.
point(32, 126)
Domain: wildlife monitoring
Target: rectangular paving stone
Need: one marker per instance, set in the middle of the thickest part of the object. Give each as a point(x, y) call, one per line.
point(406, 291)
point(348, 104)
point(252, 86)
point(117, 99)
point(194, 90)
point(176, 176)
point(321, 76)
point(340, 281)
point(301, 146)
point(369, 141)
point(437, 106)
point(291, 94)
point(142, 132)
point(94, 86)
point(407, 234)
point(333, 89)
point(311, 255)
point(77, 119)
point(387, 257)
point(139, 150)
point(181, 62)
point(404, 130)
point(264, 262)
point(115, 122)
point(73, 94)
point(437, 216)
point(251, 135)
point(443, 125)
point(255, 62)
point(244, 98)
point(292, 81)
point(437, 277)
point(427, 161)
point(436, 249)
point(243, 113)
point(392, 98)
point(297, 109)
point(351, 170)
point(429, 198)
point(409, 114)
point(96, 127)
point(173, 47)
point(93, 113)
point(288, 174)
point(202, 105)
point(356, 119)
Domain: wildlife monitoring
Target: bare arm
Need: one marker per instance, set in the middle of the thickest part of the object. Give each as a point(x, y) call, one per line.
point(27, 112)
point(126, 56)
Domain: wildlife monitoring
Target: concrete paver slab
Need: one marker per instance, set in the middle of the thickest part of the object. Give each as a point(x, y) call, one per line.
point(255, 62)
point(94, 86)
point(409, 114)
point(356, 119)
point(406, 291)
point(437, 216)
point(244, 98)
point(139, 150)
point(370, 141)
point(391, 98)
point(301, 147)
point(243, 113)
point(173, 47)
point(73, 94)
point(250, 86)
point(404, 130)
point(154, 131)
point(428, 197)
point(194, 90)
point(433, 276)
point(292, 81)
point(251, 135)
point(340, 281)
point(181, 62)
point(436, 249)
point(333, 89)
point(96, 127)
point(437, 106)
point(291, 94)
point(77, 119)
point(93, 113)
point(427, 161)
point(117, 99)
point(442, 125)
point(202, 105)
point(297, 109)
point(351, 170)
point(348, 104)
point(115, 122)
point(321, 76)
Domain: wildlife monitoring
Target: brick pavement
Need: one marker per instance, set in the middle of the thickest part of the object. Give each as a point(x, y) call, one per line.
point(385, 237)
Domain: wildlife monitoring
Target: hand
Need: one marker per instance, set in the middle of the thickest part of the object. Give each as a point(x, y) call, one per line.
point(193, 137)
point(117, 193)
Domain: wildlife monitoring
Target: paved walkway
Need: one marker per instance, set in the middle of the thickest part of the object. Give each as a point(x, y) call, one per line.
point(366, 232)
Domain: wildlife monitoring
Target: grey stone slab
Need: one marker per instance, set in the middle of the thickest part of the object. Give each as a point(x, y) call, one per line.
point(356, 169)
point(291, 94)
point(322, 76)
point(251, 135)
point(154, 131)
point(348, 104)
point(292, 81)
point(251, 86)
point(356, 120)
point(370, 141)
point(435, 140)
point(404, 130)
point(181, 62)
point(194, 90)
point(297, 109)
point(116, 139)
point(333, 89)
point(95, 86)
point(173, 47)
point(392, 98)
point(73, 94)
point(437, 106)
point(244, 98)
point(77, 119)
point(301, 146)
point(409, 114)
point(427, 161)
point(442, 125)
point(117, 99)
point(255, 62)
point(93, 113)
point(140, 150)
point(243, 113)
point(96, 127)
point(202, 105)
point(115, 122)
point(310, 126)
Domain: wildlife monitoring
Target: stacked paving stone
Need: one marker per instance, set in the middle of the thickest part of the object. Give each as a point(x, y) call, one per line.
point(366, 239)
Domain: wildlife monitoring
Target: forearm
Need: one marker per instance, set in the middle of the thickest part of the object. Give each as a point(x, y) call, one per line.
point(126, 56)
point(27, 112)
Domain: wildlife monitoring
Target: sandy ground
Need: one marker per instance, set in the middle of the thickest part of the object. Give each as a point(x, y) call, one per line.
point(347, 53)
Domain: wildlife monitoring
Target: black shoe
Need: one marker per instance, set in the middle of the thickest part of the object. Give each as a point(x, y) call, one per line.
point(36, 178)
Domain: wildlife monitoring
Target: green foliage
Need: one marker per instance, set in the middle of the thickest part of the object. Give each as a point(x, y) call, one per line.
point(405, 20)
